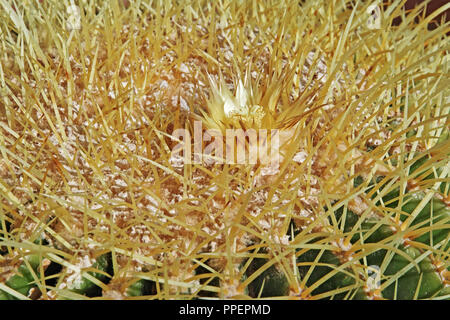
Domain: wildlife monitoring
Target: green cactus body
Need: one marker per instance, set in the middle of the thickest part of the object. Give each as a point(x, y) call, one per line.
point(272, 282)
point(86, 286)
point(23, 281)
point(141, 287)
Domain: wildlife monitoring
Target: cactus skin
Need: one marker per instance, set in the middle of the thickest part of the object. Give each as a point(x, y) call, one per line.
point(270, 283)
point(141, 287)
point(408, 283)
point(431, 283)
point(87, 287)
point(329, 261)
point(23, 281)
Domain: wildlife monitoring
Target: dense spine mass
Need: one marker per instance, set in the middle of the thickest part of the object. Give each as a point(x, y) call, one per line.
point(93, 202)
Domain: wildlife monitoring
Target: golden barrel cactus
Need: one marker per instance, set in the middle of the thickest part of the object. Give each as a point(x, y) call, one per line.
point(94, 202)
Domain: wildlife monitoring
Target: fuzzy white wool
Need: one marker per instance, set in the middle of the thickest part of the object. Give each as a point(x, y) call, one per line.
point(300, 157)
